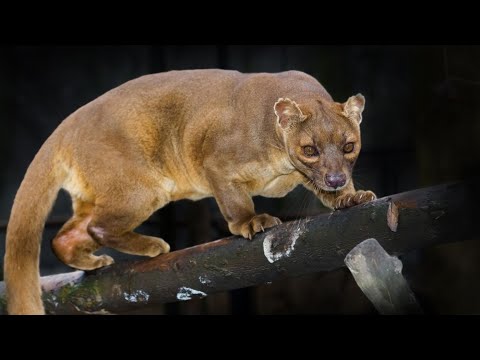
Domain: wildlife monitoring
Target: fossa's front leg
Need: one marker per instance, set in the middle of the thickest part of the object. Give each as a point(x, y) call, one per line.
point(238, 210)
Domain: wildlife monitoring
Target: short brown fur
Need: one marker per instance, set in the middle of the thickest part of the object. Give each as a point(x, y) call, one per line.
point(169, 136)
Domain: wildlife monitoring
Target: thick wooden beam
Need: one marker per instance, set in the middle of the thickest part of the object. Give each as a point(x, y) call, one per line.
point(401, 223)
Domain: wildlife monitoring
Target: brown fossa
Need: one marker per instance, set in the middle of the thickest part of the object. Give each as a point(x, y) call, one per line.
point(179, 135)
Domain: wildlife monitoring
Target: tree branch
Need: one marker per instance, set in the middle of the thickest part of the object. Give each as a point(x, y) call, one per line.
point(401, 223)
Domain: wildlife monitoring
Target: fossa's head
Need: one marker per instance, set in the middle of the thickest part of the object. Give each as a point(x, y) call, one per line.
point(322, 138)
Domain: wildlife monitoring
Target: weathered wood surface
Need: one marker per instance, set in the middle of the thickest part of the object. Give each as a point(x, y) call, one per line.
point(401, 223)
point(379, 276)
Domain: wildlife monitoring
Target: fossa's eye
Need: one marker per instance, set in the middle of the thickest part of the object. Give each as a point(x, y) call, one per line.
point(348, 148)
point(310, 151)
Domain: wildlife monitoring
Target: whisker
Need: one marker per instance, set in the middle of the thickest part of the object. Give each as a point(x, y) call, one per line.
point(304, 203)
point(275, 146)
point(329, 216)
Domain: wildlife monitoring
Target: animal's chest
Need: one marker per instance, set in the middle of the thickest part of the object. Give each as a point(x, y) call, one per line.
point(277, 185)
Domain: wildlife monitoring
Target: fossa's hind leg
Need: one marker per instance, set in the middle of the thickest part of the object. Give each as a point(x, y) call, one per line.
point(115, 218)
point(74, 246)
point(124, 197)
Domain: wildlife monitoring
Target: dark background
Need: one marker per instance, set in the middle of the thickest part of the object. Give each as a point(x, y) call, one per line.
point(421, 127)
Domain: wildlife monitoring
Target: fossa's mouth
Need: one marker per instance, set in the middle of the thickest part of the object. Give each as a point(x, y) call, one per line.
point(330, 188)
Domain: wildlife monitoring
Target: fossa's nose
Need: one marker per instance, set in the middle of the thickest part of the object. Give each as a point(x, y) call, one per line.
point(335, 180)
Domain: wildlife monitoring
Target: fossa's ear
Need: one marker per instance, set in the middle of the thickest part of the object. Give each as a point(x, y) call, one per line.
point(288, 113)
point(353, 107)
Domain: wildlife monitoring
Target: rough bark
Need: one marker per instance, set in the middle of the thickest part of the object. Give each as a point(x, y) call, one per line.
point(401, 223)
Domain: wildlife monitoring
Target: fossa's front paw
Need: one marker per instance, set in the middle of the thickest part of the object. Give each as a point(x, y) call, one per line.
point(254, 225)
point(349, 200)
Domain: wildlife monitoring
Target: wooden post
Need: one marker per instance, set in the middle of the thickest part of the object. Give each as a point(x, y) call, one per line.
point(379, 276)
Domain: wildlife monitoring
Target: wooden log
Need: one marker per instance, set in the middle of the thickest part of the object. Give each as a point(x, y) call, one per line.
point(421, 218)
